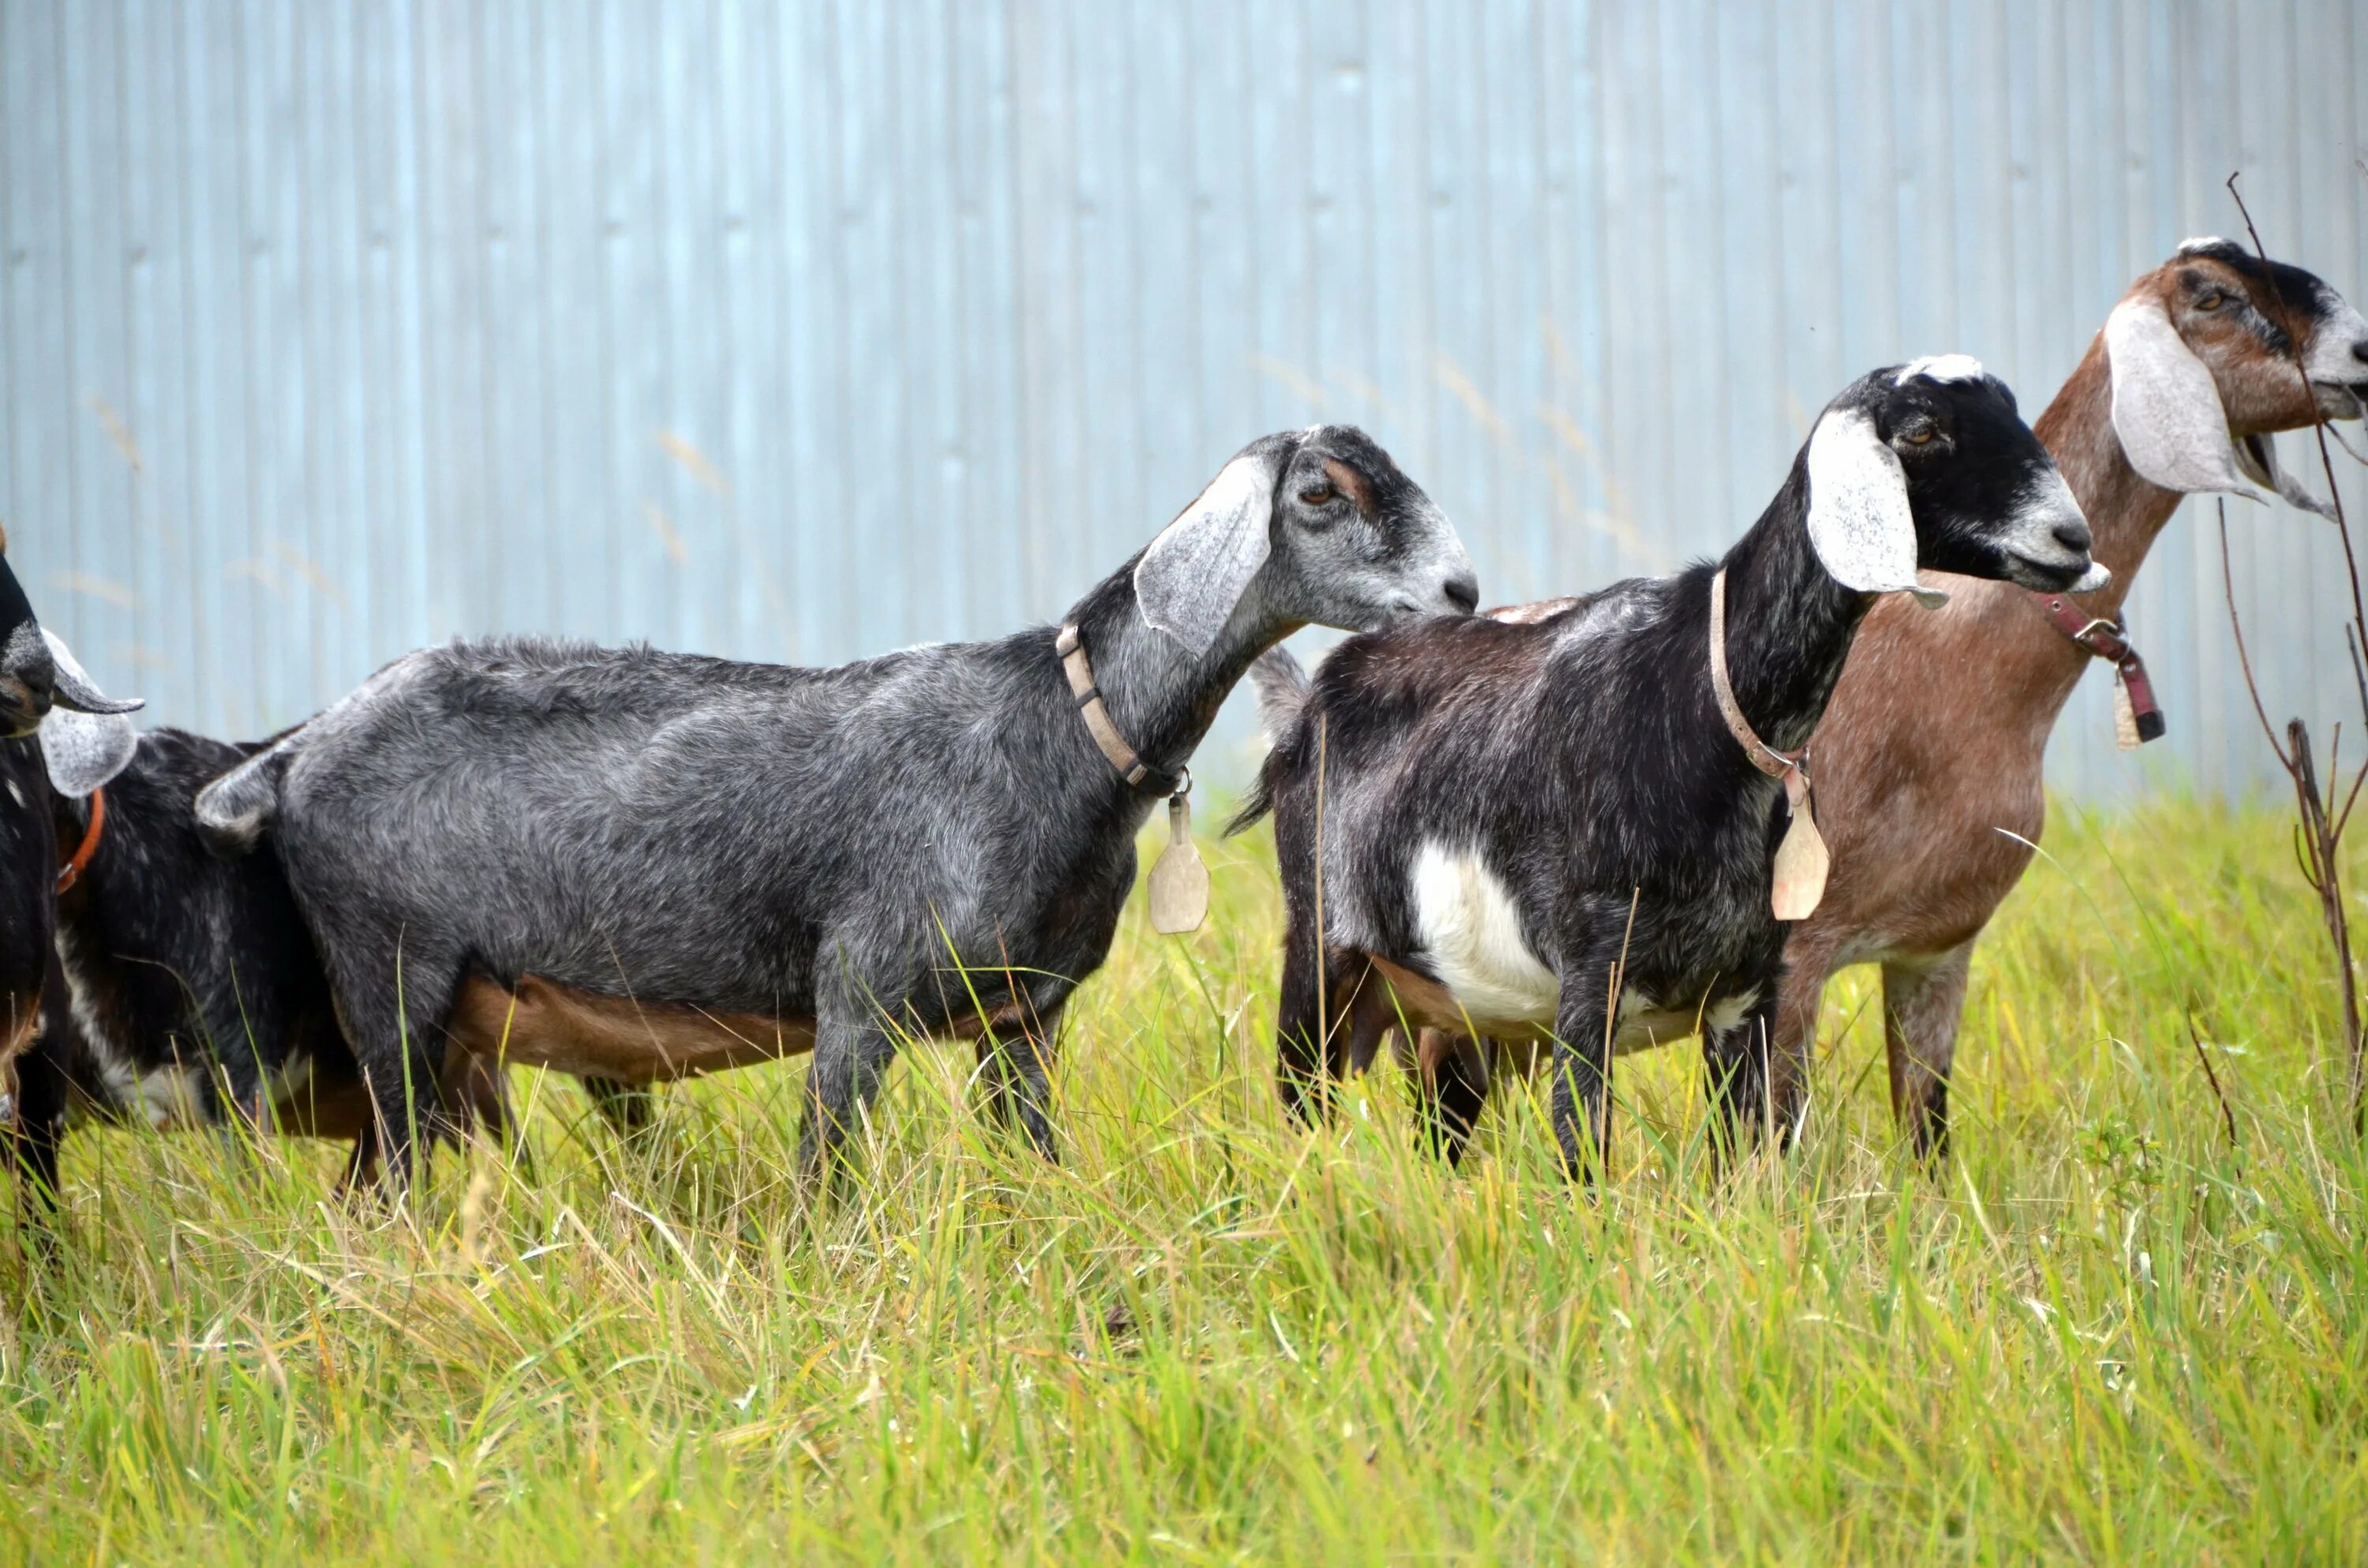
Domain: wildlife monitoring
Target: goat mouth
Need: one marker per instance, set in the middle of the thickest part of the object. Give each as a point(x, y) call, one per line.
point(2048, 576)
point(20, 715)
point(2342, 400)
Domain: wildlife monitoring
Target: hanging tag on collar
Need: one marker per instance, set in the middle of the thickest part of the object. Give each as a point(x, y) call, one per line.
point(2137, 717)
point(2125, 715)
point(1179, 882)
point(1801, 860)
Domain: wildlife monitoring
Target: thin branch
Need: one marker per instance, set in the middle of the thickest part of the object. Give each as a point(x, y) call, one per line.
point(2227, 1117)
point(2244, 660)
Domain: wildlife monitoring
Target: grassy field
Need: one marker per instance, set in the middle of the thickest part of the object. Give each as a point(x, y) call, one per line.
point(2101, 1332)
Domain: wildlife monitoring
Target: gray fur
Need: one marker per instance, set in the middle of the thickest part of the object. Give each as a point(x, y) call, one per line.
point(871, 845)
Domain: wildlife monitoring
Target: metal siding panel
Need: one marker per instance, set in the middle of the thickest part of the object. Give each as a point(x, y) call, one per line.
point(162, 665)
point(998, 590)
point(522, 554)
point(962, 300)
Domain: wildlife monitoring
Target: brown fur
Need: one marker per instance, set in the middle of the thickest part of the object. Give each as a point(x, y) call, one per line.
point(542, 1023)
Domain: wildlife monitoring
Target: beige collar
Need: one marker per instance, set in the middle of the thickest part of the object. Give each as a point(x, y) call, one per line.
point(1131, 767)
point(1798, 877)
point(1765, 757)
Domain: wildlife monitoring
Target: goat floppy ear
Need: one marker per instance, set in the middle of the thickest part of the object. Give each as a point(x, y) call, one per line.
point(2166, 408)
point(1860, 522)
point(83, 749)
point(1191, 576)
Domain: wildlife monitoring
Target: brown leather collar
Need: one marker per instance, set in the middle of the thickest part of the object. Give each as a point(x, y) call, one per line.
point(70, 872)
point(1792, 768)
point(2109, 641)
point(1131, 767)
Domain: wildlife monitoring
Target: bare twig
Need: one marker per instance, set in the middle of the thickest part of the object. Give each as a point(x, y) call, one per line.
point(2195, 1037)
point(2318, 836)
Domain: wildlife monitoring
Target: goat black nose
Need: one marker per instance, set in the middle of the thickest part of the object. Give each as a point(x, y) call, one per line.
point(1464, 593)
point(2073, 536)
point(2360, 351)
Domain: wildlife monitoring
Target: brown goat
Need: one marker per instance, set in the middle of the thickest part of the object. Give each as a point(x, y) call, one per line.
point(1928, 763)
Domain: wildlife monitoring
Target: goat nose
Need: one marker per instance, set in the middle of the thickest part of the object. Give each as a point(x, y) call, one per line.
point(2073, 536)
point(1464, 592)
point(2360, 351)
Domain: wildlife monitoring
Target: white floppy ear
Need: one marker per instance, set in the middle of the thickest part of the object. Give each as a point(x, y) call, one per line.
point(1193, 574)
point(1859, 523)
point(2165, 409)
point(2257, 456)
point(84, 750)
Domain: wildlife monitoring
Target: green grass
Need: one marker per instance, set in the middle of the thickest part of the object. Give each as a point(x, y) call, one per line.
point(2101, 1332)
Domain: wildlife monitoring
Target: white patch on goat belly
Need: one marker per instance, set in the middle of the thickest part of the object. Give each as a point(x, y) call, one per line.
point(1645, 1023)
point(1472, 934)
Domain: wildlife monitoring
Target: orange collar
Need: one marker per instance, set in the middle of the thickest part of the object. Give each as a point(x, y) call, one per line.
point(70, 872)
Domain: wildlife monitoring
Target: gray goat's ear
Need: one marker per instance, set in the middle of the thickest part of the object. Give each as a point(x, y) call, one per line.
point(2166, 407)
point(1193, 574)
point(2257, 456)
point(86, 750)
point(83, 746)
point(1860, 522)
point(72, 687)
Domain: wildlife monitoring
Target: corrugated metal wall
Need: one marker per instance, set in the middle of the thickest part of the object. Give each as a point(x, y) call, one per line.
point(328, 328)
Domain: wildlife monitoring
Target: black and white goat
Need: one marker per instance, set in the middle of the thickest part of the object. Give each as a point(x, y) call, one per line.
point(186, 992)
point(637, 865)
point(41, 690)
point(1550, 831)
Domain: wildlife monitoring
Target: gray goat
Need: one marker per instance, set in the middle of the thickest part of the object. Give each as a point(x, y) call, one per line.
point(640, 865)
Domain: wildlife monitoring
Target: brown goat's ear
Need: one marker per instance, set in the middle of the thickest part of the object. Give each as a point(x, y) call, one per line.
point(2165, 406)
point(1860, 522)
point(1194, 574)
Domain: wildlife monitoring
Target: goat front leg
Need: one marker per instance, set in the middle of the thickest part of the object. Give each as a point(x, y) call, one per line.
point(1923, 1005)
point(1581, 1101)
point(1017, 1070)
point(1800, 1001)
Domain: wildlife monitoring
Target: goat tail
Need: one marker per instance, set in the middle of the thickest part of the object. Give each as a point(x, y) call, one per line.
point(236, 810)
point(1282, 691)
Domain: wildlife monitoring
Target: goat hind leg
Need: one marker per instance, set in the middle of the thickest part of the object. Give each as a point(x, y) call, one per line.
point(1740, 1063)
point(852, 1049)
point(1922, 1005)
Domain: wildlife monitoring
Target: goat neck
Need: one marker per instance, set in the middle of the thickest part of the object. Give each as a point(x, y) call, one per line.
point(2125, 511)
point(1161, 695)
point(1788, 623)
point(1995, 628)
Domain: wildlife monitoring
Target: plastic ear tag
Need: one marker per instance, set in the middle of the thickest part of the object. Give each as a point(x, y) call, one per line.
point(1179, 882)
point(2125, 715)
point(1801, 860)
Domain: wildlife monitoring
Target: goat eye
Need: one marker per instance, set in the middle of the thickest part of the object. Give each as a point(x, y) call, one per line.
point(1920, 436)
point(2209, 302)
point(1316, 497)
